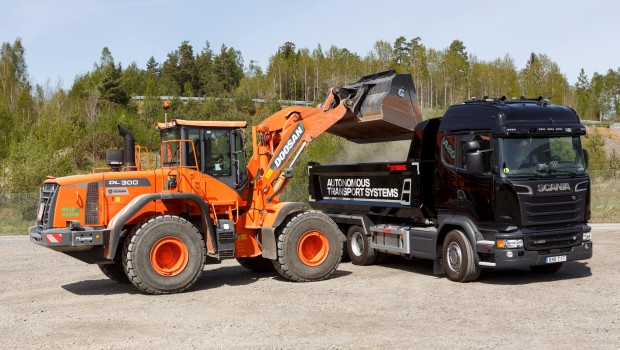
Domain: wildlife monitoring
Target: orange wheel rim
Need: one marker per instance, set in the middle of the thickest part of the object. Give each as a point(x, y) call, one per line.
point(169, 256)
point(313, 248)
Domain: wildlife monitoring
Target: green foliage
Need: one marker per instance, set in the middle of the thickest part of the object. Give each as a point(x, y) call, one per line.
point(56, 132)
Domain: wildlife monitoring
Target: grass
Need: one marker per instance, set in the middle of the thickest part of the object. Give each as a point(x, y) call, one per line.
point(12, 222)
point(605, 205)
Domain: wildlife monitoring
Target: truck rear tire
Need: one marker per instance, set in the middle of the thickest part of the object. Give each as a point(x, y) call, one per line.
point(164, 255)
point(458, 258)
point(309, 247)
point(256, 264)
point(115, 271)
point(358, 247)
point(550, 268)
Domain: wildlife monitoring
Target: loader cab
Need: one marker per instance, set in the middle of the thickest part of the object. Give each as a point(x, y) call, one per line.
point(210, 147)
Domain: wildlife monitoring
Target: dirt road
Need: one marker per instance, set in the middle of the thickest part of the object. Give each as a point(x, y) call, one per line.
point(51, 301)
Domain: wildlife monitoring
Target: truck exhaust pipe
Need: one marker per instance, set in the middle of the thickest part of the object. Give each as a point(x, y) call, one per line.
point(129, 152)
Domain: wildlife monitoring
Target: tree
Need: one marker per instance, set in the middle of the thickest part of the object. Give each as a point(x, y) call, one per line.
point(228, 68)
point(110, 87)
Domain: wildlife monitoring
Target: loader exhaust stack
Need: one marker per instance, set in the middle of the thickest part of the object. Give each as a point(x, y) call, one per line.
point(389, 111)
point(129, 154)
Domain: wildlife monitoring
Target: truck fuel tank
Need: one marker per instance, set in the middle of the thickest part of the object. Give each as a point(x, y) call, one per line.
point(389, 111)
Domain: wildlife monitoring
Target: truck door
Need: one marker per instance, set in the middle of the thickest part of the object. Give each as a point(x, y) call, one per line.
point(446, 179)
point(475, 190)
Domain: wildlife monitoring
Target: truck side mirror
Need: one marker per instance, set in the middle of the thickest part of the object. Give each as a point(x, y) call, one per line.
point(472, 146)
point(474, 162)
point(586, 158)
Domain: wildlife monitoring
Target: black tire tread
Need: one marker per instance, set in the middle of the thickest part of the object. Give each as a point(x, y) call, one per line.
point(281, 264)
point(115, 271)
point(472, 269)
point(129, 247)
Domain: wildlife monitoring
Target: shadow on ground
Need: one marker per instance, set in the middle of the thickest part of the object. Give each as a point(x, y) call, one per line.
point(211, 278)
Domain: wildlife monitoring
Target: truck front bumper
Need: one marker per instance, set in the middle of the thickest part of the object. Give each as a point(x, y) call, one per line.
point(521, 257)
point(65, 239)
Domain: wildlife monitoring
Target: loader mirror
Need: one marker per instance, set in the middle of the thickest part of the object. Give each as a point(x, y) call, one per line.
point(472, 146)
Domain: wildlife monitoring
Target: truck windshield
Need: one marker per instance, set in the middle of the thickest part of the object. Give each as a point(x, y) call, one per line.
point(541, 157)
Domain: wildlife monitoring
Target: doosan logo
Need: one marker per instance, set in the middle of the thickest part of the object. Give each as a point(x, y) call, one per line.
point(554, 187)
point(289, 145)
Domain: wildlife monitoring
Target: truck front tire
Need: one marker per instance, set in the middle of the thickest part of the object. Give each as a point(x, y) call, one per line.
point(164, 255)
point(458, 258)
point(358, 247)
point(309, 247)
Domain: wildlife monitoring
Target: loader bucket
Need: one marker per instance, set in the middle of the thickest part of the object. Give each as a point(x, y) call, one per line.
point(388, 112)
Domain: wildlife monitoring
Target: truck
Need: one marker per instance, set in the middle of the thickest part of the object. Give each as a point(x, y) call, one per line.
point(493, 183)
point(207, 200)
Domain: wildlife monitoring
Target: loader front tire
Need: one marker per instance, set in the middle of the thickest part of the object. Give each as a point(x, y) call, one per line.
point(309, 247)
point(164, 255)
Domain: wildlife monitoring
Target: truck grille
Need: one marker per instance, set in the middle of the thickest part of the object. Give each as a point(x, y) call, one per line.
point(554, 239)
point(47, 202)
point(543, 210)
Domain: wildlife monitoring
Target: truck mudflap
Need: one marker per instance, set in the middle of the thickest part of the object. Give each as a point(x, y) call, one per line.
point(66, 239)
point(523, 258)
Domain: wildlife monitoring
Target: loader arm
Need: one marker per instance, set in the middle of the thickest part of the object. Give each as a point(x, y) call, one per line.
point(280, 139)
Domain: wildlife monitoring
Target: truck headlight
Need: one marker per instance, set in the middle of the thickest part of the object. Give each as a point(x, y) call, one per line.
point(587, 236)
point(509, 243)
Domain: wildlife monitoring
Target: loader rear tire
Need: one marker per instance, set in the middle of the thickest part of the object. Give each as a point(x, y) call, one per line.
point(256, 264)
point(115, 271)
point(309, 247)
point(164, 255)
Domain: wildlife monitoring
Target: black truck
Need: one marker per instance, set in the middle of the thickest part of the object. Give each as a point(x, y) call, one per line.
point(494, 183)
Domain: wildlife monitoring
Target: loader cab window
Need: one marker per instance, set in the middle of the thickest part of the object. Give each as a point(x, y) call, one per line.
point(217, 155)
point(193, 154)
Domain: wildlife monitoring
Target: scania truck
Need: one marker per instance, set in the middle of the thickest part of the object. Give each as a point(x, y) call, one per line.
point(494, 183)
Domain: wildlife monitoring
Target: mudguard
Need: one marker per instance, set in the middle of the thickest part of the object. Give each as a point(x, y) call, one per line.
point(268, 231)
point(132, 208)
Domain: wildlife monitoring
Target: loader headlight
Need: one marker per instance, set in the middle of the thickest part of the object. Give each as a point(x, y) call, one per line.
point(509, 243)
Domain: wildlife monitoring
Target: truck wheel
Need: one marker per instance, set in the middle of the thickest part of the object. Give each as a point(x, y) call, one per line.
point(166, 254)
point(550, 268)
point(309, 247)
point(358, 247)
point(256, 264)
point(458, 258)
point(115, 271)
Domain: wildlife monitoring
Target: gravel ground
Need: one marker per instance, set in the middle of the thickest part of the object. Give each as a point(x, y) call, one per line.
point(51, 301)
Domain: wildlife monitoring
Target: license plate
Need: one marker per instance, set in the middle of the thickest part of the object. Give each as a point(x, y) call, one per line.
point(555, 259)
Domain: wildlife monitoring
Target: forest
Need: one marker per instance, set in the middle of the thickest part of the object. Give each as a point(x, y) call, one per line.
point(49, 130)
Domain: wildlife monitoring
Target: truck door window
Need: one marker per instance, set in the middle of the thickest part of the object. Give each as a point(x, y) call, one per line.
point(448, 150)
point(217, 162)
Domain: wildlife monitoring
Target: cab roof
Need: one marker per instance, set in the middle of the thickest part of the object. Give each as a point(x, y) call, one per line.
point(202, 123)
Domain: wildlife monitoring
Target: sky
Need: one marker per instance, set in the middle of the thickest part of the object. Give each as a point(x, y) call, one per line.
point(64, 39)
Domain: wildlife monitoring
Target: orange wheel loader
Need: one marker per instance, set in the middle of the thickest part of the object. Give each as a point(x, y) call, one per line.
point(157, 228)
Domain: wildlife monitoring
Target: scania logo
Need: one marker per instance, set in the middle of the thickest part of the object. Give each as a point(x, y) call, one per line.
point(554, 187)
